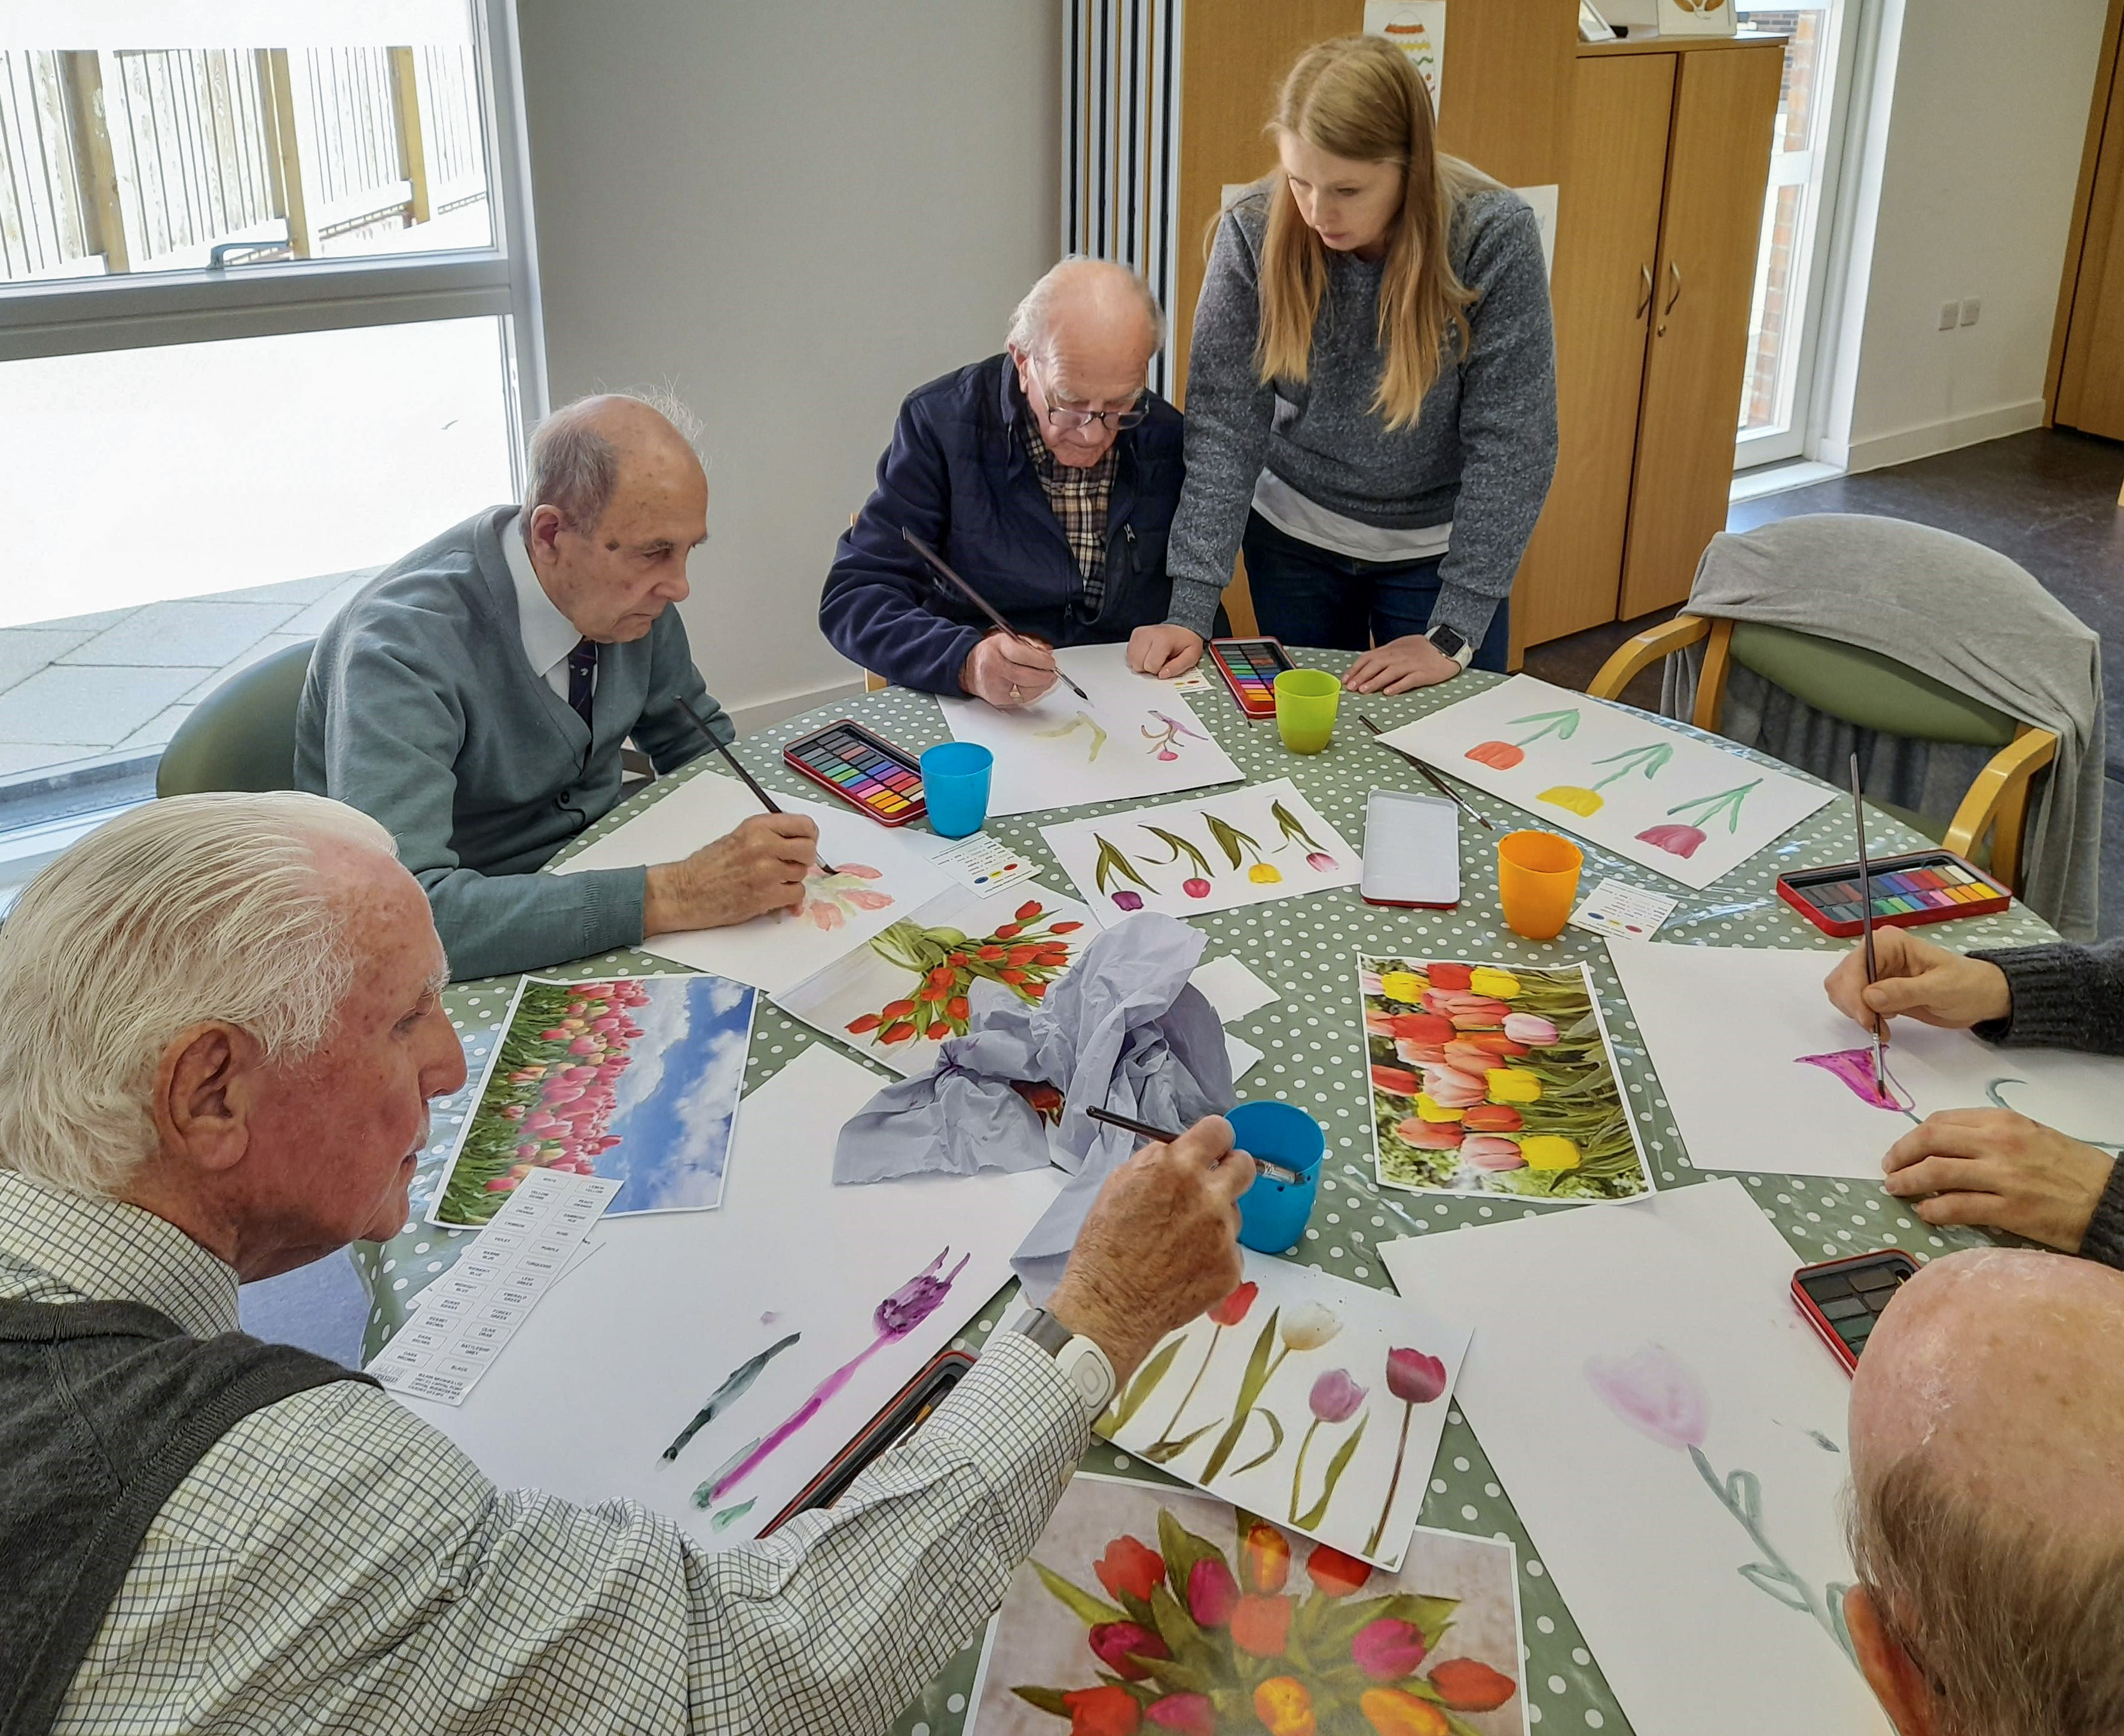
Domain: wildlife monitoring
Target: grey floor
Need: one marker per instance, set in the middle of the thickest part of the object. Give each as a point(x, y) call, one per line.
point(2046, 499)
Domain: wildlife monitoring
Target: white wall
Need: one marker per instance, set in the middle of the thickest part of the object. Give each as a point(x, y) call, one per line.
point(791, 216)
point(1974, 177)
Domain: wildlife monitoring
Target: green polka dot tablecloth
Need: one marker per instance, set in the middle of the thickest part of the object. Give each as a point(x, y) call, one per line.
point(1313, 1056)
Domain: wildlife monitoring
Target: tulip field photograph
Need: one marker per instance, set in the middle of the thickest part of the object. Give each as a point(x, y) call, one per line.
point(634, 1077)
point(1314, 1401)
point(1145, 1609)
point(1495, 1079)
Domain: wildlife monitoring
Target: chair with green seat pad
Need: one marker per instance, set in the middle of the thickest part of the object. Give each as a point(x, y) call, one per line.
point(241, 736)
point(1868, 691)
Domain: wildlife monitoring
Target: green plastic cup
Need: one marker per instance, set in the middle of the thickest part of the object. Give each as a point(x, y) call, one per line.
point(1305, 702)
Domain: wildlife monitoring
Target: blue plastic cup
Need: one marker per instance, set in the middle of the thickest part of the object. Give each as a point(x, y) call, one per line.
point(954, 783)
point(1273, 1213)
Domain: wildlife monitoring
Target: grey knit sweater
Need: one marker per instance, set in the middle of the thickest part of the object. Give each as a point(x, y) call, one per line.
point(2069, 997)
point(1481, 453)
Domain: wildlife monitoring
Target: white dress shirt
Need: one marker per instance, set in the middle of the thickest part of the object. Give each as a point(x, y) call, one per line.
point(334, 1563)
point(549, 635)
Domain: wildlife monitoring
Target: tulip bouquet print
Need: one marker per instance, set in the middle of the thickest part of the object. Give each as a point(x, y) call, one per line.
point(1215, 852)
point(1144, 1610)
point(895, 998)
point(1319, 1401)
point(1490, 1079)
point(636, 1077)
point(1620, 779)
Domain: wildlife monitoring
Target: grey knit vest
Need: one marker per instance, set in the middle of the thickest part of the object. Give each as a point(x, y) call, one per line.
point(104, 1409)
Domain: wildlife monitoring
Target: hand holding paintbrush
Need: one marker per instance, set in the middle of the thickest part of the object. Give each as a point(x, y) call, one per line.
point(1880, 1025)
point(750, 783)
point(972, 596)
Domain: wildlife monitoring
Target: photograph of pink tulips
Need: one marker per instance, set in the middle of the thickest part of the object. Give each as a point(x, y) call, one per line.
point(636, 1077)
point(1144, 1610)
point(1494, 1079)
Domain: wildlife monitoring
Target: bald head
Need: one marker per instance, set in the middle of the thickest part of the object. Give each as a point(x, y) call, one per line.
point(1987, 1519)
point(1082, 340)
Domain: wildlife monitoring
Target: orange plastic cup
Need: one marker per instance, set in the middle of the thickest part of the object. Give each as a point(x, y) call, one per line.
point(1537, 880)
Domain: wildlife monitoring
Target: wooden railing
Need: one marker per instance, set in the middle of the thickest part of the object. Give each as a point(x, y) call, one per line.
point(147, 160)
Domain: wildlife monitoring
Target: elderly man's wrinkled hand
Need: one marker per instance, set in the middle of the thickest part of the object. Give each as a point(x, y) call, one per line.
point(1159, 1244)
point(758, 867)
point(1996, 1168)
point(1007, 671)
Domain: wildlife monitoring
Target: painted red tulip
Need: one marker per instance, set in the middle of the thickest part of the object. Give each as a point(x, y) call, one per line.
point(1029, 910)
point(1413, 1377)
point(893, 1009)
point(1265, 1558)
point(1387, 1649)
point(1192, 1715)
point(1502, 754)
point(1233, 1308)
point(1106, 1710)
point(1420, 1027)
point(1420, 1054)
point(1261, 1624)
point(864, 1025)
point(1195, 889)
point(1212, 1592)
point(1676, 840)
point(1450, 976)
point(1335, 1574)
point(1120, 1643)
point(1467, 1685)
point(1397, 1081)
point(1431, 1136)
point(1065, 928)
point(1129, 1566)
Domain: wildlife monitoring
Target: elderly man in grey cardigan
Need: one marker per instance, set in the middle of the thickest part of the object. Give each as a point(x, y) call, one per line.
point(475, 696)
point(1993, 1166)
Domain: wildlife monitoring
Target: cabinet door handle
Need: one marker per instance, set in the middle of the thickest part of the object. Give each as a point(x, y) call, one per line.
point(1648, 300)
point(1674, 295)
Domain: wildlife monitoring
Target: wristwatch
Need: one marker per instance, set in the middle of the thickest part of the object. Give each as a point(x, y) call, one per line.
point(1083, 1365)
point(1450, 643)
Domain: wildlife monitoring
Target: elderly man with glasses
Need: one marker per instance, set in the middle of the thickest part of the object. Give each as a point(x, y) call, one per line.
point(1046, 477)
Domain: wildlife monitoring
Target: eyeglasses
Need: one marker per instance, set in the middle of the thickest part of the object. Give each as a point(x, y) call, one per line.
point(1075, 422)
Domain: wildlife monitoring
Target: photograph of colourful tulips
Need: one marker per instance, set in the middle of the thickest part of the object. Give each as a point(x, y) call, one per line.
point(1145, 1611)
point(1684, 806)
point(911, 985)
point(1212, 852)
point(1490, 1079)
point(636, 1077)
point(1300, 1396)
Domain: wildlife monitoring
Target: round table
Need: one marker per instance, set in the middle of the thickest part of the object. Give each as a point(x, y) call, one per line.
point(1313, 1056)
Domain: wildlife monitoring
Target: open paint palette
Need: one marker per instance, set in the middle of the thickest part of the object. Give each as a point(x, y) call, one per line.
point(864, 769)
point(1928, 886)
point(1250, 667)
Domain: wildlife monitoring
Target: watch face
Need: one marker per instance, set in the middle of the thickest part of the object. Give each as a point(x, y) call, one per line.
point(1448, 641)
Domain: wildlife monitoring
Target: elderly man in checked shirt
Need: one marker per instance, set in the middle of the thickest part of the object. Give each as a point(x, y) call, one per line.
point(222, 1032)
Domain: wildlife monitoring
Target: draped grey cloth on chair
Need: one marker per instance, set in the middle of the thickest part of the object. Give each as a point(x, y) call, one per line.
point(1950, 608)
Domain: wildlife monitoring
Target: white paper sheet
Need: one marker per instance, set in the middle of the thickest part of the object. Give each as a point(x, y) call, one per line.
point(620, 1358)
point(874, 863)
point(1121, 865)
point(1678, 805)
point(1231, 988)
point(1137, 737)
point(1744, 1099)
point(1680, 1309)
point(869, 997)
point(1322, 1340)
point(1417, 28)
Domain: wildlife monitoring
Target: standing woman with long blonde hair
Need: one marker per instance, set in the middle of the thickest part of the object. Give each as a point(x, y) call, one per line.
point(1371, 391)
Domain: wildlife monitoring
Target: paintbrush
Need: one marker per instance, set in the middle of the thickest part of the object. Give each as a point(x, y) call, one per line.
point(751, 783)
point(1443, 788)
point(1274, 1172)
point(1866, 907)
point(982, 603)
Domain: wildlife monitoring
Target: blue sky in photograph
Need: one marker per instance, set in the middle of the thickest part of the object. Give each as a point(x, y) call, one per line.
point(678, 1102)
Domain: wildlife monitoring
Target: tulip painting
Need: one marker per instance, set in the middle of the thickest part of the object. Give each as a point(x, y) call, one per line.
point(942, 964)
point(1197, 884)
point(1085, 721)
point(1514, 1090)
point(828, 898)
point(563, 1091)
point(1504, 756)
point(1229, 1312)
point(1335, 1399)
point(1654, 1392)
point(1294, 832)
point(1114, 864)
point(1854, 1067)
point(1169, 737)
point(1337, 1651)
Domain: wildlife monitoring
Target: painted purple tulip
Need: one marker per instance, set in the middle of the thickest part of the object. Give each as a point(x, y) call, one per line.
point(1128, 900)
point(1213, 1593)
point(1119, 1644)
point(1676, 840)
point(1855, 1068)
point(1336, 1397)
point(1387, 1649)
point(1653, 1390)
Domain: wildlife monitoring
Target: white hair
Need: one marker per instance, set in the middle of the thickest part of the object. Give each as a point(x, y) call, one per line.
point(1032, 325)
point(195, 908)
point(574, 468)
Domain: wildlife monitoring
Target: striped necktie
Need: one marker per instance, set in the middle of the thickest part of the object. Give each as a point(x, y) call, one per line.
point(582, 678)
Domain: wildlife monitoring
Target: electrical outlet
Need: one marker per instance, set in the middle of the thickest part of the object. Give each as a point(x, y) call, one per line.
point(1971, 307)
point(1950, 315)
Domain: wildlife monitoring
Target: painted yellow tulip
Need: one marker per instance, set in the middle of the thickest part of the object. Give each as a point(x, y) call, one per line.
point(1430, 1109)
point(1405, 987)
point(1486, 980)
point(1549, 1151)
point(1580, 802)
point(1512, 1086)
point(1262, 874)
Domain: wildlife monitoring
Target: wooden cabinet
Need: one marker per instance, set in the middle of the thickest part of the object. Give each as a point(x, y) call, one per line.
point(1658, 229)
point(2087, 368)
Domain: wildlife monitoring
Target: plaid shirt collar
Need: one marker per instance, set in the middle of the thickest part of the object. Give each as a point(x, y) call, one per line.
point(104, 1250)
point(1079, 498)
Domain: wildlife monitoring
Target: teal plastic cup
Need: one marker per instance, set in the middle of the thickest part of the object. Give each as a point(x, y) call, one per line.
point(955, 784)
point(1273, 1213)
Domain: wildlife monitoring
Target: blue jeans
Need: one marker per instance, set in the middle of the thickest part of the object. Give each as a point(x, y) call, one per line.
point(1308, 595)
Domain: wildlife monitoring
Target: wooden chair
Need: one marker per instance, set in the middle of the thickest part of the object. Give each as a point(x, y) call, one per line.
point(1870, 691)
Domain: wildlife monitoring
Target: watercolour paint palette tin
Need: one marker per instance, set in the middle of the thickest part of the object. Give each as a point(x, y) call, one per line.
point(1928, 886)
point(864, 769)
point(1250, 667)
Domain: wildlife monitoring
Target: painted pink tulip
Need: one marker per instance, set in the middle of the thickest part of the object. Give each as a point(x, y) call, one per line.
point(1676, 840)
point(610, 1021)
point(1369, 983)
point(1128, 900)
point(1420, 1054)
point(1492, 1152)
point(1213, 1593)
point(1120, 1643)
point(1469, 1057)
point(1387, 1649)
point(1320, 861)
point(1196, 888)
point(501, 1184)
point(1653, 1390)
point(1413, 1377)
point(529, 1153)
point(556, 1035)
point(1450, 1088)
point(1335, 1396)
point(1855, 1068)
point(1530, 1028)
point(1192, 1715)
point(585, 1044)
point(1378, 1025)
point(512, 1111)
point(1469, 1012)
point(1431, 1136)
point(862, 900)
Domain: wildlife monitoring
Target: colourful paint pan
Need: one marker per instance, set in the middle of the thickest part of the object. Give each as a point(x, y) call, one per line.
point(1250, 667)
point(865, 770)
point(1930, 885)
